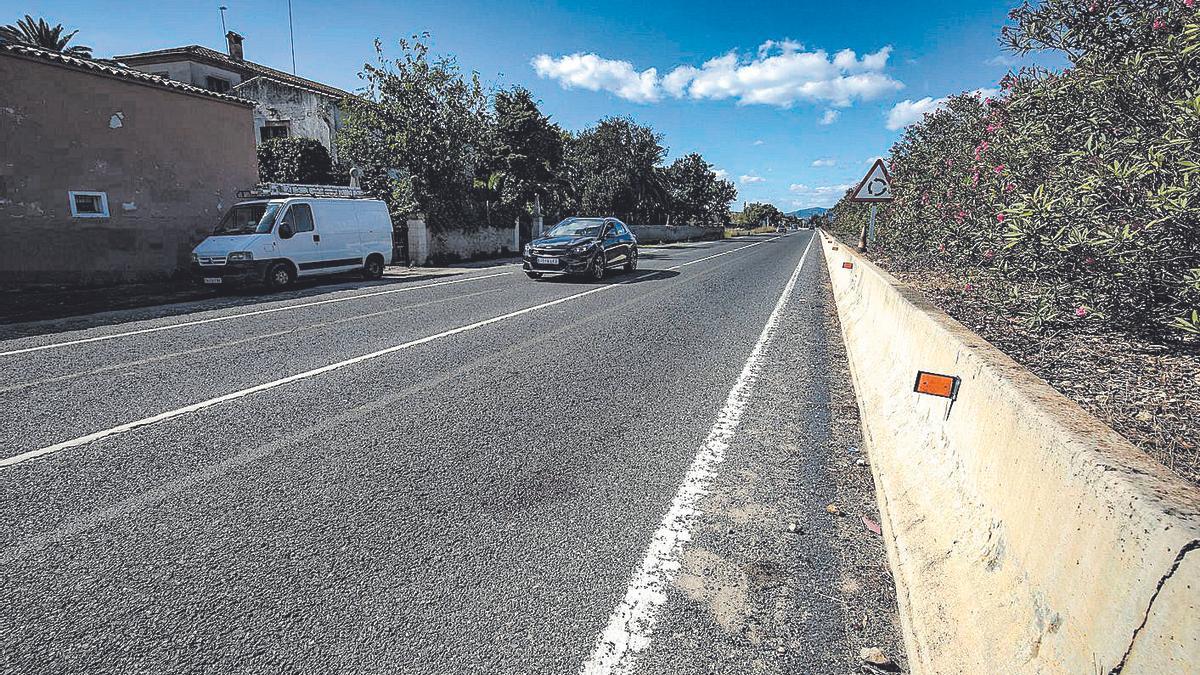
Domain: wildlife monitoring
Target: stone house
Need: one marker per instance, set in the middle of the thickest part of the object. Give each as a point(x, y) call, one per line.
point(287, 105)
point(109, 174)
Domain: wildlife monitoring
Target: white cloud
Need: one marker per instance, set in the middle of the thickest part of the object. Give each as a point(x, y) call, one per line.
point(779, 73)
point(589, 71)
point(1007, 60)
point(908, 111)
point(721, 173)
point(829, 117)
point(752, 179)
point(829, 161)
point(820, 195)
point(758, 142)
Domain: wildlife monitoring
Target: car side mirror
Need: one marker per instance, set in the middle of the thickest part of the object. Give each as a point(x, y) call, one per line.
point(285, 230)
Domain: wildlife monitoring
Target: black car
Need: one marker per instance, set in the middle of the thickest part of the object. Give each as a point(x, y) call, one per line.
point(587, 246)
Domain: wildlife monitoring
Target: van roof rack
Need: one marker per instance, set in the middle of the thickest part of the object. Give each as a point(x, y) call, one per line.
point(300, 190)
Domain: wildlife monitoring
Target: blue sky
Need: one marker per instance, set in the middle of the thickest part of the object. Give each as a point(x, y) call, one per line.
point(775, 70)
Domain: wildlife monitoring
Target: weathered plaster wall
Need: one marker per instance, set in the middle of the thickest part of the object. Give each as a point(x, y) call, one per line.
point(482, 242)
point(652, 234)
point(170, 165)
point(308, 114)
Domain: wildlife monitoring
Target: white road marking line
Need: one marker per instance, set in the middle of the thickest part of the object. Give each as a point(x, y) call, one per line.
point(632, 622)
point(718, 255)
point(230, 317)
point(171, 414)
point(233, 343)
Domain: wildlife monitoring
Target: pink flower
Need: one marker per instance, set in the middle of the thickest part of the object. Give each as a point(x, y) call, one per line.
point(1189, 3)
point(1000, 169)
point(1081, 311)
point(949, 162)
point(1158, 24)
point(975, 179)
point(989, 254)
point(941, 248)
point(994, 126)
point(1010, 187)
point(969, 287)
point(999, 217)
point(1089, 260)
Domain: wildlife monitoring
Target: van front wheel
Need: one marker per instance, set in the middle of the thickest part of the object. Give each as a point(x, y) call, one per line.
point(279, 276)
point(373, 269)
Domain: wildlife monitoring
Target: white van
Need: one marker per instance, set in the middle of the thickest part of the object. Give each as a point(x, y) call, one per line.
point(277, 239)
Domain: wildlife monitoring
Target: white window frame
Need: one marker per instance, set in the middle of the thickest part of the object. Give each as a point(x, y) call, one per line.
point(86, 193)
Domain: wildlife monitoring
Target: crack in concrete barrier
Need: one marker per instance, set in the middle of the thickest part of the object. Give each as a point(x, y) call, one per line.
point(1191, 546)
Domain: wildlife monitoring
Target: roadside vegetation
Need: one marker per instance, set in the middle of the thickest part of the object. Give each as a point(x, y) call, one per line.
point(1060, 217)
point(431, 139)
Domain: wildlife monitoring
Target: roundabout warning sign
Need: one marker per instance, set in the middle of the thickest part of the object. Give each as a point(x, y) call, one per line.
point(876, 187)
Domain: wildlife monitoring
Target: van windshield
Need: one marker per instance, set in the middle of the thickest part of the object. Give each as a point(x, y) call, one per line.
point(252, 218)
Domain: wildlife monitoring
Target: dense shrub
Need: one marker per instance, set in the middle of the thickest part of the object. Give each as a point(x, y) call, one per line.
point(1075, 195)
point(294, 160)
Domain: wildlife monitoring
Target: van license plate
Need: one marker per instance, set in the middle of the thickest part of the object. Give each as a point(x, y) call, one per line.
point(213, 280)
point(547, 261)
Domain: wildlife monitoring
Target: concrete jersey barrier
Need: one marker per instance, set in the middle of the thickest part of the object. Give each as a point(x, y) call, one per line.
point(1025, 535)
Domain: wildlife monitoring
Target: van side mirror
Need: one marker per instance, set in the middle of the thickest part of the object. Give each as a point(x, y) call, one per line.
point(285, 230)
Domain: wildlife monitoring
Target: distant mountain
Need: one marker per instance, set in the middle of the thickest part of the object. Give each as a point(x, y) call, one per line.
point(806, 213)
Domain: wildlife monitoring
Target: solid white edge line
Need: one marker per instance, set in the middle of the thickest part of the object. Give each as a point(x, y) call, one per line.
point(170, 414)
point(630, 626)
point(230, 317)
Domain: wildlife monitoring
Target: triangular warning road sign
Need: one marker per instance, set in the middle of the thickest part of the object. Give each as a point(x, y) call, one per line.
point(876, 187)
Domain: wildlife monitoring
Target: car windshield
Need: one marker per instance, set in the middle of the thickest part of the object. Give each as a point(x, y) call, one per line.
point(577, 227)
point(252, 218)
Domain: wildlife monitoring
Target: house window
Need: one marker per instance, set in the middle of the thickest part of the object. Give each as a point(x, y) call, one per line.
point(88, 204)
point(274, 130)
point(217, 84)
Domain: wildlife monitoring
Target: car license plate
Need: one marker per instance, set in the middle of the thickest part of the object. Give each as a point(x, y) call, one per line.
point(547, 261)
point(213, 280)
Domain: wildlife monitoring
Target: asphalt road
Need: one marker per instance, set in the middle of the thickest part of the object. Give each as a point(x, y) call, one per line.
point(476, 473)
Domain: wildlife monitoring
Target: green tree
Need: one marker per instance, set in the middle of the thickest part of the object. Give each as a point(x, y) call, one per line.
point(758, 214)
point(615, 169)
point(41, 34)
point(526, 159)
point(418, 134)
point(294, 160)
point(696, 194)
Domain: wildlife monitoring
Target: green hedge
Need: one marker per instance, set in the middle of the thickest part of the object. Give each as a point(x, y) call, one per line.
point(1070, 196)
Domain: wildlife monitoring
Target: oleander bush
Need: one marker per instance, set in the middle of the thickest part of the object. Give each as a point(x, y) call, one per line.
point(1073, 195)
point(294, 160)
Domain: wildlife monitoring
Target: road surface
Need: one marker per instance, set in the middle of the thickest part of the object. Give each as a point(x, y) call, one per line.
point(469, 474)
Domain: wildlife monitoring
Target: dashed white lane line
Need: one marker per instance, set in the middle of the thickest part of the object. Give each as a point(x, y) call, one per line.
point(171, 414)
point(732, 250)
point(242, 315)
point(631, 624)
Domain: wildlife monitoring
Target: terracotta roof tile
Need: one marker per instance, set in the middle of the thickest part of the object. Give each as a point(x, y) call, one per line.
point(115, 70)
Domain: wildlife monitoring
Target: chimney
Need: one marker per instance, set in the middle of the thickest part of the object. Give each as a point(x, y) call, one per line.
point(235, 45)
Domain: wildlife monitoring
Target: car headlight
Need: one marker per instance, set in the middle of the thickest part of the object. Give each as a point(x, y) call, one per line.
point(240, 256)
point(195, 258)
point(528, 249)
point(582, 248)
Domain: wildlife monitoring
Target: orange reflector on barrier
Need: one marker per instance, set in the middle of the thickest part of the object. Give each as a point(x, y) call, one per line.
point(847, 265)
point(933, 384)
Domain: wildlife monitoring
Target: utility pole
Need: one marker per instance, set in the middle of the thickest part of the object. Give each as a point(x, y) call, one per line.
point(292, 33)
point(224, 30)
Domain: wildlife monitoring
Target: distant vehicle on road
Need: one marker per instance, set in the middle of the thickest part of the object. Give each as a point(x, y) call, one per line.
point(277, 239)
point(583, 246)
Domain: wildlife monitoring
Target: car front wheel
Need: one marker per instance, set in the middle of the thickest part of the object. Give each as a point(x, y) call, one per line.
point(279, 276)
point(631, 262)
point(597, 268)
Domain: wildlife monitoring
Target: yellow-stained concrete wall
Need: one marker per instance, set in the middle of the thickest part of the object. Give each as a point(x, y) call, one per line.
point(1025, 535)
